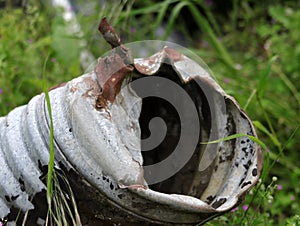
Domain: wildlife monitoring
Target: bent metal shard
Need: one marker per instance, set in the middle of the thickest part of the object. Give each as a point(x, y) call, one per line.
point(99, 119)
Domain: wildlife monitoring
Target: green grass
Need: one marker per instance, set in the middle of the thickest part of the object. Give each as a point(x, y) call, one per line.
point(255, 58)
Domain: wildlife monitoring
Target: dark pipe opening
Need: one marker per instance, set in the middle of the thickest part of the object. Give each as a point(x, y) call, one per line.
point(183, 182)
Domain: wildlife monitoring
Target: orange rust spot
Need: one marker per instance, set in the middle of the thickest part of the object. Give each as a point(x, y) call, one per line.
point(73, 89)
point(111, 72)
point(112, 87)
point(173, 54)
point(101, 103)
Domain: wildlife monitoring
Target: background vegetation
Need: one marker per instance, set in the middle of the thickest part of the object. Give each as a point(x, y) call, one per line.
point(252, 47)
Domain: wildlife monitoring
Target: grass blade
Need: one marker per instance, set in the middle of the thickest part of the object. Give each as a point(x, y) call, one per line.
point(161, 15)
point(288, 83)
point(210, 17)
point(204, 25)
point(262, 128)
point(264, 75)
point(153, 8)
point(51, 138)
point(238, 135)
point(250, 99)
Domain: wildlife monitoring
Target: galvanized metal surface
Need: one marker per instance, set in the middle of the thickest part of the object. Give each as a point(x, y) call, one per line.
point(99, 144)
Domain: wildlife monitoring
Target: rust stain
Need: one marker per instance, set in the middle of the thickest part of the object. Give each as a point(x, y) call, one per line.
point(93, 90)
point(112, 87)
point(73, 89)
point(152, 64)
point(111, 70)
point(101, 103)
point(109, 33)
point(146, 68)
point(173, 54)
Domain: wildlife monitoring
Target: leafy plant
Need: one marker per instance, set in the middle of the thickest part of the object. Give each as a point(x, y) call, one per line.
point(26, 39)
point(255, 57)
